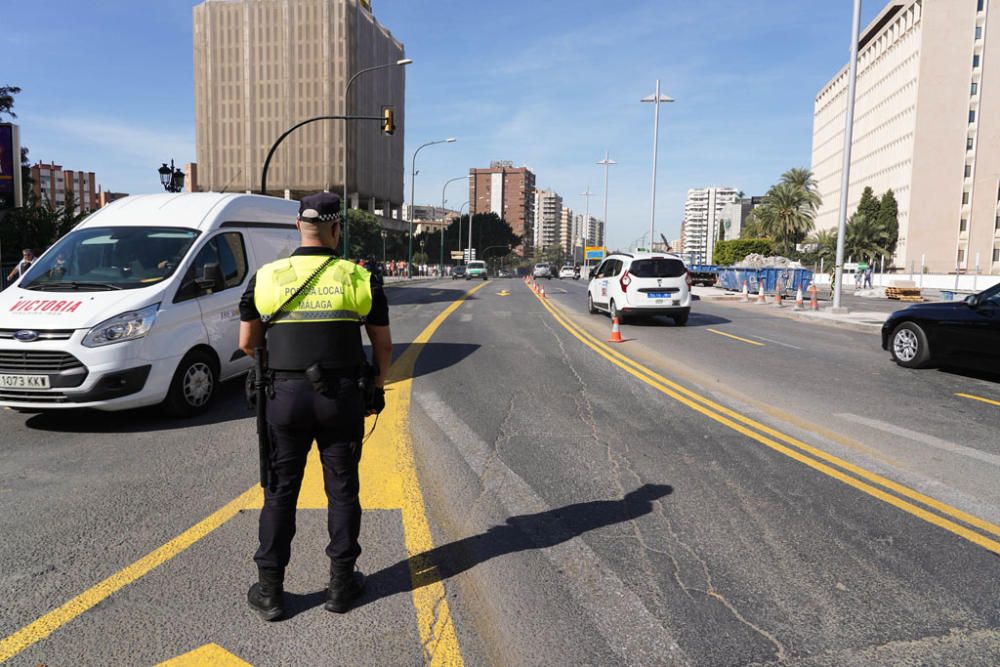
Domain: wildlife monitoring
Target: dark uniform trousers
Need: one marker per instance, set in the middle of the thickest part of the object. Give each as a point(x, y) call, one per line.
point(296, 416)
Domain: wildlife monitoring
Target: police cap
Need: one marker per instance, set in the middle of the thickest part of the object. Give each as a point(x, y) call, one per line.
point(320, 207)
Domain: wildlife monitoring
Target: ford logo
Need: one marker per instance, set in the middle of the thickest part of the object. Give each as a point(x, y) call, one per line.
point(26, 336)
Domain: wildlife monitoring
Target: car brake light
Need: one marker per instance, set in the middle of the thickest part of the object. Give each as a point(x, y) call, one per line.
point(687, 278)
point(625, 281)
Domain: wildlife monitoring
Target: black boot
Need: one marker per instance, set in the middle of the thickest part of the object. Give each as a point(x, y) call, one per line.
point(266, 595)
point(345, 587)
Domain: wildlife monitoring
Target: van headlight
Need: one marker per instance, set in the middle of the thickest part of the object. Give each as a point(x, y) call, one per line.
point(127, 326)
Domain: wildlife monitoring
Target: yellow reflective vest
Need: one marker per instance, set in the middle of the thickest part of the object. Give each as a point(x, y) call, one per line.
point(341, 293)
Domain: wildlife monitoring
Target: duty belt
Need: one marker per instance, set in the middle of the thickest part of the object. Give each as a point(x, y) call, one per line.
point(351, 372)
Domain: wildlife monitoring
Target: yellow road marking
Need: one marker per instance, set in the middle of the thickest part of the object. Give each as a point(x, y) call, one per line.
point(979, 398)
point(50, 622)
point(389, 452)
point(729, 335)
point(209, 654)
point(730, 418)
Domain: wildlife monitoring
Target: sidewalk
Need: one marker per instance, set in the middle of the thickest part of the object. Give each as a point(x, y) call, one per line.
point(865, 321)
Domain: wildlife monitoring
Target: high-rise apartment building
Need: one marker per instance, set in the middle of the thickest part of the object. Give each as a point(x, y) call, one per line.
point(54, 186)
point(261, 66)
point(926, 126)
point(509, 192)
point(548, 216)
point(566, 228)
point(702, 217)
point(594, 230)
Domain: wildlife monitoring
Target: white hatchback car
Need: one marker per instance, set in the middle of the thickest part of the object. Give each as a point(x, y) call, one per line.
point(641, 283)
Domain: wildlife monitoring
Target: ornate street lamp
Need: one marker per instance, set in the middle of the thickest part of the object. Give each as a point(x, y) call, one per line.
point(171, 179)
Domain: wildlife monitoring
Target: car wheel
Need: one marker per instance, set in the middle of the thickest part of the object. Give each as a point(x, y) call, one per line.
point(194, 385)
point(590, 305)
point(909, 346)
point(680, 320)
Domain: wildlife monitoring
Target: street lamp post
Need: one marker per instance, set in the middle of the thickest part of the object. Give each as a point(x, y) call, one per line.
point(399, 63)
point(656, 99)
point(384, 235)
point(464, 204)
point(443, 200)
point(413, 191)
point(845, 174)
point(171, 179)
point(586, 226)
point(607, 162)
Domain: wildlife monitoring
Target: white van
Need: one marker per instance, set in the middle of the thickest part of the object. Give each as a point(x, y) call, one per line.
point(641, 283)
point(139, 304)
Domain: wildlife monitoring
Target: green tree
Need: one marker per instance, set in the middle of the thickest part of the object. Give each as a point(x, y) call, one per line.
point(730, 252)
point(488, 229)
point(869, 204)
point(7, 94)
point(786, 215)
point(802, 178)
point(865, 239)
point(888, 220)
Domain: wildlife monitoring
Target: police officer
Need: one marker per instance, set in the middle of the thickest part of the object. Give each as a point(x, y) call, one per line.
point(315, 356)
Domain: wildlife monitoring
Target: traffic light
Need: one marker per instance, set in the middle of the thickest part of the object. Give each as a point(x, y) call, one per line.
point(388, 121)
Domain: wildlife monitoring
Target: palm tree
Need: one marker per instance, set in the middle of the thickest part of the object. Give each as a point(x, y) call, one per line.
point(865, 238)
point(786, 214)
point(801, 177)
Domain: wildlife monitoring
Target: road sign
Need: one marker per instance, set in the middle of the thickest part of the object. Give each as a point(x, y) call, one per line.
point(467, 257)
point(457, 254)
point(594, 252)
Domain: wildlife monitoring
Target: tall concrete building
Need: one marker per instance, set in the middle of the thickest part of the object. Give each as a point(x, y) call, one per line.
point(927, 126)
point(566, 230)
point(261, 66)
point(53, 186)
point(734, 215)
point(548, 216)
point(702, 217)
point(509, 192)
point(593, 228)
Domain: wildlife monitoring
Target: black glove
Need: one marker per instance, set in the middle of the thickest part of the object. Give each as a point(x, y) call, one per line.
point(376, 403)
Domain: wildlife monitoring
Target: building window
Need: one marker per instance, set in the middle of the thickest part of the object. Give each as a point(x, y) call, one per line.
point(979, 5)
point(968, 143)
point(996, 254)
point(996, 224)
point(968, 170)
point(972, 116)
point(961, 255)
point(975, 61)
point(975, 89)
point(965, 198)
point(963, 226)
point(979, 32)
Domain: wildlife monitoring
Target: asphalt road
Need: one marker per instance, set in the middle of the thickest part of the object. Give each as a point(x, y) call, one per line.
point(584, 508)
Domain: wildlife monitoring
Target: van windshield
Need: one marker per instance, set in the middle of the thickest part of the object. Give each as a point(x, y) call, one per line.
point(477, 265)
point(110, 258)
point(657, 267)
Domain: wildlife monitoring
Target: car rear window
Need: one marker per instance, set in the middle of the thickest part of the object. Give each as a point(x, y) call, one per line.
point(658, 267)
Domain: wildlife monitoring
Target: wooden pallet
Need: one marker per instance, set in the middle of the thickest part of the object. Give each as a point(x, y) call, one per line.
point(903, 293)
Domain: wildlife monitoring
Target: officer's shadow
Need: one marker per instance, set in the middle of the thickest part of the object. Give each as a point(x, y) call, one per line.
point(518, 533)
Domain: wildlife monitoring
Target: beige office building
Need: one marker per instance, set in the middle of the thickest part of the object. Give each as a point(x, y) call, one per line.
point(509, 192)
point(261, 66)
point(927, 125)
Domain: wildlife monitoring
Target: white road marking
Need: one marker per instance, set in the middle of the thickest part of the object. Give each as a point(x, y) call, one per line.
point(596, 588)
point(777, 342)
point(465, 317)
point(929, 440)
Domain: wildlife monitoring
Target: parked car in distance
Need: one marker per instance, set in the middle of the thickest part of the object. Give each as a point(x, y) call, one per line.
point(568, 272)
point(457, 272)
point(641, 283)
point(475, 269)
point(505, 273)
point(963, 333)
point(542, 270)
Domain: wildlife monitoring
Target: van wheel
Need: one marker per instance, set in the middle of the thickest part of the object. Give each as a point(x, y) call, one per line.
point(590, 305)
point(193, 386)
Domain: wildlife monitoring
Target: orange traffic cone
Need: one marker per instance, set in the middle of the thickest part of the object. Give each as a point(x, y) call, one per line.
point(616, 332)
point(543, 292)
point(813, 304)
point(761, 299)
point(746, 293)
point(798, 299)
point(777, 295)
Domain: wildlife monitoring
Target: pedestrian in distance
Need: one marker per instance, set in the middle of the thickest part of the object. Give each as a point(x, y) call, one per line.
point(304, 314)
point(27, 259)
point(868, 278)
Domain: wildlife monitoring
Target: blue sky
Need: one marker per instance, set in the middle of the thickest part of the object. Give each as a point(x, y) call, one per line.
point(108, 87)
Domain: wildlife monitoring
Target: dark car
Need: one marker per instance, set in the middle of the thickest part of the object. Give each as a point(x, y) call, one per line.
point(457, 272)
point(964, 333)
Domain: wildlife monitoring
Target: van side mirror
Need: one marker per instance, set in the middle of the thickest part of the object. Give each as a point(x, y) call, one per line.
point(972, 301)
point(211, 279)
point(593, 272)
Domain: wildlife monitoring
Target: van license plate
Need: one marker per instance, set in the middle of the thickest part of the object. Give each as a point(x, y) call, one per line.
point(659, 295)
point(24, 381)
